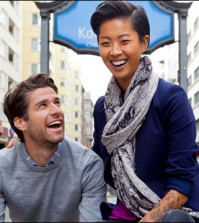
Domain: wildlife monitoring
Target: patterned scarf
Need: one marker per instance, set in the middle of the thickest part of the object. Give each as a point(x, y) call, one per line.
point(124, 118)
point(125, 115)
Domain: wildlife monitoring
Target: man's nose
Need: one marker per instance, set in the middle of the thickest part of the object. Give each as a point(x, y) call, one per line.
point(54, 109)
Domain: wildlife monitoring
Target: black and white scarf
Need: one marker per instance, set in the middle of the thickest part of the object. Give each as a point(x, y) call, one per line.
point(125, 115)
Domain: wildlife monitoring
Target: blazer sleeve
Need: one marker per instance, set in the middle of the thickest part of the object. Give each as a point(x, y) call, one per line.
point(99, 118)
point(181, 132)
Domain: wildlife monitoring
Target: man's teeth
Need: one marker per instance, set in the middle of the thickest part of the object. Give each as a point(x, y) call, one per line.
point(55, 123)
point(118, 63)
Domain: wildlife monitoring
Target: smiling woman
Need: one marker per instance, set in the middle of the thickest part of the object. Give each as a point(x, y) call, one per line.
point(121, 50)
point(144, 126)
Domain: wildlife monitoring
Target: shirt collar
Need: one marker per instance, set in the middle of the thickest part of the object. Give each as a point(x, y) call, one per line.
point(52, 161)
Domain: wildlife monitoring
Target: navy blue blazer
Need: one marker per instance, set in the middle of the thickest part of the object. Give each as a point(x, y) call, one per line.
point(165, 144)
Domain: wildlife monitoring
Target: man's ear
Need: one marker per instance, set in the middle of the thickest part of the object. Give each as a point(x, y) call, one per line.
point(145, 42)
point(20, 123)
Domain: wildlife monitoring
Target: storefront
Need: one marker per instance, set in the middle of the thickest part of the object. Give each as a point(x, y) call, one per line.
point(4, 135)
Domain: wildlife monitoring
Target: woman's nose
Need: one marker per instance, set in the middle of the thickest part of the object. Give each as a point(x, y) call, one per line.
point(116, 49)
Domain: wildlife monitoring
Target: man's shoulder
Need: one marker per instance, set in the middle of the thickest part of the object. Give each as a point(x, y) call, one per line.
point(7, 156)
point(77, 150)
point(72, 144)
point(80, 158)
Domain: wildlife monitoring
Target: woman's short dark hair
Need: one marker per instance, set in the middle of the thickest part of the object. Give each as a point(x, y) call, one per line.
point(15, 100)
point(114, 9)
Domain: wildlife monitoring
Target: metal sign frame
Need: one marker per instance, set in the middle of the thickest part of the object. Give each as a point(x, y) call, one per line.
point(88, 45)
point(181, 8)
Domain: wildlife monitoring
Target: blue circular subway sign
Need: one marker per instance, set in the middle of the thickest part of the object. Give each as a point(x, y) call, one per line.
point(72, 26)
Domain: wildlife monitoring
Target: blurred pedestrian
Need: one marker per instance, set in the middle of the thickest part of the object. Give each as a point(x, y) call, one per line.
point(144, 126)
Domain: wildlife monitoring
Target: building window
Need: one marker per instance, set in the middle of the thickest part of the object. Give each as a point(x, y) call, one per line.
point(77, 88)
point(197, 125)
point(196, 47)
point(77, 74)
point(196, 98)
point(34, 68)
point(16, 62)
point(16, 6)
point(34, 44)
point(77, 101)
point(3, 80)
point(88, 131)
point(67, 117)
point(196, 73)
point(189, 35)
point(62, 64)
point(64, 99)
point(64, 49)
point(189, 80)
point(35, 19)
point(87, 116)
point(196, 24)
point(3, 48)
point(17, 35)
point(12, 3)
point(3, 18)
point(11, 83)
point(77, 114)
point(77, 127)
point(10, 55)
point(63, 82)
point(11, 27)
point(189, 58)
point(190, 101)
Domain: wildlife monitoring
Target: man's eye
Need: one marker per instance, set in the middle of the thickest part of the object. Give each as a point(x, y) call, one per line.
point(58, 103)
point(42, 105)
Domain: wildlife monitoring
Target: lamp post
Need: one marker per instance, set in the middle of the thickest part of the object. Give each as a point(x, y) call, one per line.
point(181, 8)
point(46, 8)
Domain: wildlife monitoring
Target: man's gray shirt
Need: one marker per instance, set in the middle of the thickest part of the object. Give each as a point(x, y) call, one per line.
point(70, 190)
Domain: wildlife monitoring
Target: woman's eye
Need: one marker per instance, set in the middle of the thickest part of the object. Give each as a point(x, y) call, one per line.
point(105, 43)
point(125, 41)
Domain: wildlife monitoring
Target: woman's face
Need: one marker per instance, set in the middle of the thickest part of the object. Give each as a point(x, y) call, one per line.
point(121, 49)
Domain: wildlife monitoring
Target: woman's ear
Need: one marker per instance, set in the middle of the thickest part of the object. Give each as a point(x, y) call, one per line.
point(145, 42)
point(20, 123)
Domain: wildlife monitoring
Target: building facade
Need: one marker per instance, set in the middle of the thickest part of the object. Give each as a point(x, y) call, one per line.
point(87, 125)
point(65, 73)
point(166, 61)
point(10, 57)
point(193, 60)
point(20, 36)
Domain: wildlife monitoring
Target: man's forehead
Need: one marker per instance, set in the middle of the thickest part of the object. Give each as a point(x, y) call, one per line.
point(43, 93)
point(43, 90)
